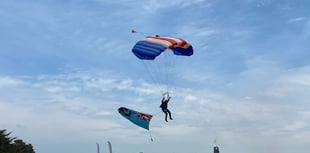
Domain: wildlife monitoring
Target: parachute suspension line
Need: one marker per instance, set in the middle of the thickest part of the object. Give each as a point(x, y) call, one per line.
point(150, 135)
point(149, 71)
point(173, 71)
point(159, 71)
point(166, 69)
point(169, 64)
point(149, 131)
point(155, 69)
point(163, 67)
point(155, 114)
point(134, 31)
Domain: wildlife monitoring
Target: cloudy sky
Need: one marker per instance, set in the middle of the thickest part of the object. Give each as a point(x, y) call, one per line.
point(66, 66)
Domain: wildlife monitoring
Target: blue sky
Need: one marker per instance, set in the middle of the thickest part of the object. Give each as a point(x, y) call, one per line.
point(66, 66)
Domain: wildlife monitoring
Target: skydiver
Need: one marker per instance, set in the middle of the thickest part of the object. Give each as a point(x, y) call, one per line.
point(164, 105)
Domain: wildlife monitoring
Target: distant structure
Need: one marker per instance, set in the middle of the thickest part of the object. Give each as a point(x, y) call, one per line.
point(110, 146)
point(98, 147)
point(216, 149)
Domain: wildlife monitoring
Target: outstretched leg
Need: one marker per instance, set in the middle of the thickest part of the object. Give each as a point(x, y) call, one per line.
point(166, 114)
point(169, 115)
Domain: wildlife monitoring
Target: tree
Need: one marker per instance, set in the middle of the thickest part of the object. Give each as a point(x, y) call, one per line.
point(13, 145)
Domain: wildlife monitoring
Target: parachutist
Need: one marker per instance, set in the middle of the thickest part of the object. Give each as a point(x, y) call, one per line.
point(164, 106)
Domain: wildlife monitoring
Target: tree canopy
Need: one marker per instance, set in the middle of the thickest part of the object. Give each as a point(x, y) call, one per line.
point(13, 144)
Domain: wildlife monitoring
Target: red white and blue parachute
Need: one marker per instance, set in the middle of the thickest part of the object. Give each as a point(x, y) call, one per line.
point(159, 55)
point(152, 46)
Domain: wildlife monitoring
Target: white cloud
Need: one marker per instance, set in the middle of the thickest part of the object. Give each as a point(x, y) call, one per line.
point(295, 126)
point(297, 19)
point(7, 81)
point(299, 77)
point(190, 98)
point(304, 137)
point(193, 75)
point(290, 86)
point(154, 5)
point(178, 130)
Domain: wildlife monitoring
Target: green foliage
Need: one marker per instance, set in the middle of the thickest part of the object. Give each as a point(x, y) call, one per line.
point(13, 145)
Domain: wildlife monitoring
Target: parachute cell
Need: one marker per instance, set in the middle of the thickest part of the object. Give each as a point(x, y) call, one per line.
point(140, 119)
point(152, 46)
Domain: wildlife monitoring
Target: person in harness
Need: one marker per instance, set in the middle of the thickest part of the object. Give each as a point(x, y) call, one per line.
point(164, 105)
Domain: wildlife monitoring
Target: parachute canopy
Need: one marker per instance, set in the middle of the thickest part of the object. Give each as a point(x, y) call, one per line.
point(138, 118)
point(152, 46)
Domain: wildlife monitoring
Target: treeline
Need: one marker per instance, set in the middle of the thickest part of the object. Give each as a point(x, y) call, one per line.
point(13, 144)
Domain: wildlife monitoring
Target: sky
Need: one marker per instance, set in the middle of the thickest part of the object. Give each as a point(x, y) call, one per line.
point(66, 66)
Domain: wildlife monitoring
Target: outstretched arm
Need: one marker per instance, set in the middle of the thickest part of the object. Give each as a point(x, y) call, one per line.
point(166, 95)
point(168, 98)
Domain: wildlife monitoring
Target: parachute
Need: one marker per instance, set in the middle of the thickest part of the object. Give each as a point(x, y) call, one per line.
point(140, 119)
point(159, 55)
point(152, 46)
